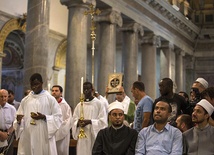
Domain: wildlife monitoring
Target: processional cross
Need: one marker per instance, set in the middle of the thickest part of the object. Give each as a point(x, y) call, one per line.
point(92, 12)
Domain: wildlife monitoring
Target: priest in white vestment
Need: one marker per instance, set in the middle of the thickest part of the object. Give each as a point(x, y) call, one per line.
point(38, 118)
point(95, 118)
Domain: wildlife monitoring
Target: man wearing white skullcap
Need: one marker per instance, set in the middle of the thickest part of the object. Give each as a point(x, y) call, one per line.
point(118, 138)
point(199, 139)
point(198, 86)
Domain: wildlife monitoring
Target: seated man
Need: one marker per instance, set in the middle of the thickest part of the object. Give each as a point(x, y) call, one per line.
point(199, 139)
point(118, 138)
point(160, 138)
point(128, 104)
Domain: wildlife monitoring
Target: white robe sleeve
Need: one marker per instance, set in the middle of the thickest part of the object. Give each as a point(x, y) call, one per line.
point(100, 122)
point(54, 121)
point(64, 129)
point(75, 129)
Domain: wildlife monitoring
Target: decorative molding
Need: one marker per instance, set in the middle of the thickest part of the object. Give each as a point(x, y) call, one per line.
point(9, 26)
point(174, 18)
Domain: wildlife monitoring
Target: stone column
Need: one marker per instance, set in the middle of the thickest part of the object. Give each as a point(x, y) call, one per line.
point(108, 20)
point(76, 55)
point(167, 60)
point(150, 43)
point(189, 62)
point(36, 41)
point(130, 54)
point(179, 78)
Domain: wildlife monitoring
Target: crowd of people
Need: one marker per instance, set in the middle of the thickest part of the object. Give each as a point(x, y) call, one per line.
point(172, 124)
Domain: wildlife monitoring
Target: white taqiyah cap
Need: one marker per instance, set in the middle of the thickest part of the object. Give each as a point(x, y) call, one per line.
point(115, 105)
point(203, 82)
point(207, 106)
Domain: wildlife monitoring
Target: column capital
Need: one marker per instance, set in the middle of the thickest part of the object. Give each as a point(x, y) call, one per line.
point(134, 27)
point(70, 3)
point(179, 51)
point(151, 39)
point(110, 16)
point(167, 44)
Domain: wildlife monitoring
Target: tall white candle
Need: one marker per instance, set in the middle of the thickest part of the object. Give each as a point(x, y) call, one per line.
point(81, 85)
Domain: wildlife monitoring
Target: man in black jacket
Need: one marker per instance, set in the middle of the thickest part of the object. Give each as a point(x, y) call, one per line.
point(118, 138)
point(177, 102)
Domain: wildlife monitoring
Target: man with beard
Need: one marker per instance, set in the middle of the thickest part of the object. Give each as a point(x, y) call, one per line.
point(208, 94)
point(199, 139)
point(199, 85)
point(95, 118)
point(177, 102)
point(160, 138)
point(118, 138)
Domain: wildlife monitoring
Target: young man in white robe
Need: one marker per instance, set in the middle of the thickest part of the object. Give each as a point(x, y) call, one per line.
point(63, 134)
point(38, 118)
point(95, 118)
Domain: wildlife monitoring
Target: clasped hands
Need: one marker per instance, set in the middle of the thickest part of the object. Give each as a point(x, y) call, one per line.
point(83, 123)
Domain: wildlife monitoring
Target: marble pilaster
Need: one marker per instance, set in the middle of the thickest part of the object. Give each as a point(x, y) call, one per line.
point(108, 20)
point(130, 53)
point(180, 78)
point(36, 41)
point(150, 43)
point(76, 56)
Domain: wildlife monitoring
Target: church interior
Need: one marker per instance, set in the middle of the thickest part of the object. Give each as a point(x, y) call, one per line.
point(144, 40)
point(66, 40)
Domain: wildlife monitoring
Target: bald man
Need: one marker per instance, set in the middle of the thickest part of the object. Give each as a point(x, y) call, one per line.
point(7, 116)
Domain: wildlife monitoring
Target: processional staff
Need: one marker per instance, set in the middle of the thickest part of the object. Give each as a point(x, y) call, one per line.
point(93, 12)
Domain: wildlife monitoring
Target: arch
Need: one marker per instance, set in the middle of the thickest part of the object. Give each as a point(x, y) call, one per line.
point(9, 26)
point(60, 59)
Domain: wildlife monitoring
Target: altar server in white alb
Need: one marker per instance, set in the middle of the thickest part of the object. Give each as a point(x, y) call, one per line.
point(38, 118)
point(199, 139)
point(63, 134)
point(95, 118)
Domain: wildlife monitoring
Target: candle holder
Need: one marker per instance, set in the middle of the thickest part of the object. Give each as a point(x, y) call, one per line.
point(82, 131)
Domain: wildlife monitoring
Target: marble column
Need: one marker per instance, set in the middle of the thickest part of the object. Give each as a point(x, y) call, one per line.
point(179, 76)
point(108, 20)
point(131, 33)
point(167, 60)
point(36, 41)
point(76, 56)
point(150, 43)
point(189, 62)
